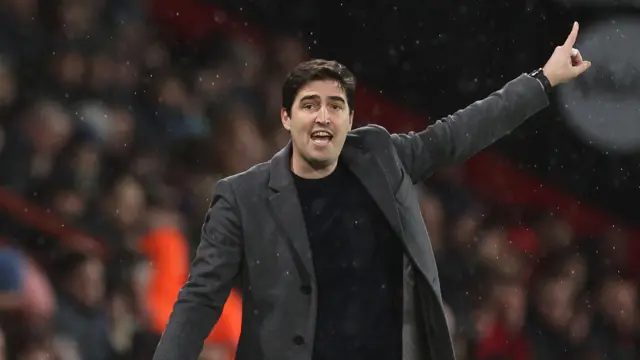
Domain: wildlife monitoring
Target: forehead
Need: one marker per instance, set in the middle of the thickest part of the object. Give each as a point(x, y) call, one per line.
point(322, 89)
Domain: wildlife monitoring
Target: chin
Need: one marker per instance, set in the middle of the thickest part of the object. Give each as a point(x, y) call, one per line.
point(319, 162)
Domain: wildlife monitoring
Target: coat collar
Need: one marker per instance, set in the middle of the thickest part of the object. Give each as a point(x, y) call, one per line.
point(280, 174)
point(286, 207)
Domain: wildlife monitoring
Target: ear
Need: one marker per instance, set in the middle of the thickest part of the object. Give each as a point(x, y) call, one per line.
point(286, 120)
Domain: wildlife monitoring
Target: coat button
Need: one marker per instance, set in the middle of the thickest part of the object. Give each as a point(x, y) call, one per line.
point(298, 340)
point(305, 289)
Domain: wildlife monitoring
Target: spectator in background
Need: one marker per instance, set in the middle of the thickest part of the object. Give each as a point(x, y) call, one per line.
point(32, 152)
point(11, 278)
point(3, 346)
point(81, 299)
point(38, 298)
point(504, 335)
point(616, 331)
point(23, 287)
point(167, 250)
point(127, 313)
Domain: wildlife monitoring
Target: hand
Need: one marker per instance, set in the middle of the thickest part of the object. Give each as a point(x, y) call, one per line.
point(566, 62)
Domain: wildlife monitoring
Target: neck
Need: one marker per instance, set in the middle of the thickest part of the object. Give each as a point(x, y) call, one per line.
point(306, 170)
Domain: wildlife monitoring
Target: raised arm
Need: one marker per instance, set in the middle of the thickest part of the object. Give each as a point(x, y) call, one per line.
point(463, 134)
point(215, 267)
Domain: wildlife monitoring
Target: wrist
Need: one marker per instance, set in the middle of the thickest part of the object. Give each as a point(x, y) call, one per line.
point(552, 79)
point(543, 79)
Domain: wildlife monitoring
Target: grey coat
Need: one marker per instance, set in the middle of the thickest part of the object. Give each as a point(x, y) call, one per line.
point(254, 235)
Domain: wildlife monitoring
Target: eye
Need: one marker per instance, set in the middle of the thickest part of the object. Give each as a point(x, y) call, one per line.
point(336, 107)
point(307, 106)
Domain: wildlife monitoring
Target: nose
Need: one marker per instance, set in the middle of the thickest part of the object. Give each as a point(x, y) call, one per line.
point(323, 116)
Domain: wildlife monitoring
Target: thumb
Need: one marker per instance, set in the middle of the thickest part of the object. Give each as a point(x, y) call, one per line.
point(579, 69)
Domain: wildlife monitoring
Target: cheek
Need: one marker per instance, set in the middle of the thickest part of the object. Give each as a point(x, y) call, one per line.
point(298, 136)
point(299, 127)
point(345, 122)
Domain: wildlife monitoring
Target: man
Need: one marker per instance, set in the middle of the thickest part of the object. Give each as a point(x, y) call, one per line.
point(326, 240)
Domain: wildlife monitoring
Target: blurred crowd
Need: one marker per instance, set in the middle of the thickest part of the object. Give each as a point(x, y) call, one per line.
point(121, 134)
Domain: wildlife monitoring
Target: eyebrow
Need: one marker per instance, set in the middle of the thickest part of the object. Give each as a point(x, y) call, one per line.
point(316, 97)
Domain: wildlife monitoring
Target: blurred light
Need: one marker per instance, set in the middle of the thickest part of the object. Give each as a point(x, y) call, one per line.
point(600, 3)
point(603, 105)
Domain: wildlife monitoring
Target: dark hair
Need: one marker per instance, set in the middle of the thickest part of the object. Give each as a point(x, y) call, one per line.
point(313, 70)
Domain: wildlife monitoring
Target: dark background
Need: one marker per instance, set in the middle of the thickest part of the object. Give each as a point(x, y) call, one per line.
point(464, 51)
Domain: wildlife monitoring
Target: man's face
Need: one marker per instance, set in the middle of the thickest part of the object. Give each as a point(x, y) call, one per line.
point(319, 122)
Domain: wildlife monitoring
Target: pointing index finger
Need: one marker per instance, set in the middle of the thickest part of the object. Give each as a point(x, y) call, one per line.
point(571, 39)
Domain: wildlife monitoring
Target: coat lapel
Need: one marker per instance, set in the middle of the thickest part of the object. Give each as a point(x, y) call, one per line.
point(369, 171)
point(287, 211)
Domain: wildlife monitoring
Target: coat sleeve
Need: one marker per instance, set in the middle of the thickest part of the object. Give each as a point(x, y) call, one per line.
point(459, 136)
point(215, 268)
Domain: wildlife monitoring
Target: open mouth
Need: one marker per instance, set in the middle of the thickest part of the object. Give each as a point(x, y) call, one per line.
point(321, 137)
